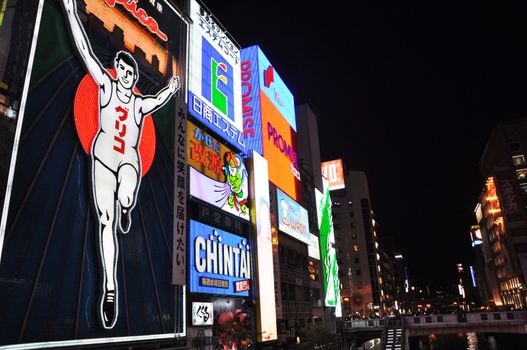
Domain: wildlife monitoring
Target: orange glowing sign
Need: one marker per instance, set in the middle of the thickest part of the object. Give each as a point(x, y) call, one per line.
point(333, 171)
point(279, 148)
point(134, 35)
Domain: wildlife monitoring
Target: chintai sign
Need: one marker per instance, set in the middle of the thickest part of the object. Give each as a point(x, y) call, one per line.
point(220, 262)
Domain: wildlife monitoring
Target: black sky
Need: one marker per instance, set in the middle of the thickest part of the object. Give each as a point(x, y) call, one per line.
point(407, 93)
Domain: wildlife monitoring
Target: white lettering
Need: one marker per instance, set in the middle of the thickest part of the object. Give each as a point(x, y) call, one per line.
point(227, 260)
point(212, 256)
point(201, 264)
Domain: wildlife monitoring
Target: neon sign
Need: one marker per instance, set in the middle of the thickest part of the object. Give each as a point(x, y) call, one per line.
point(293, 218)
point(280, 143)
point(141, 15)
point(217, 175)
point(214, 92)
point(220, 261)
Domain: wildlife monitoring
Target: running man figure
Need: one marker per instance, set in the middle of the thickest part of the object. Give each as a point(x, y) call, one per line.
point(115, 161)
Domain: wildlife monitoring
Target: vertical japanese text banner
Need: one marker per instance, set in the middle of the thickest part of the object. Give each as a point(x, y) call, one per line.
point(180, 201)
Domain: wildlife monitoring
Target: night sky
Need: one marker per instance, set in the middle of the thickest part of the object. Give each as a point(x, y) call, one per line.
point(407, 93)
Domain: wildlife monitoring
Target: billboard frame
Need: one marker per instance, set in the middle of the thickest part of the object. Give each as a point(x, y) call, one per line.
point(6, 205)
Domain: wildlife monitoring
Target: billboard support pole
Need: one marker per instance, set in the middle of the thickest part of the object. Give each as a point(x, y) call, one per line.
point(5, 209)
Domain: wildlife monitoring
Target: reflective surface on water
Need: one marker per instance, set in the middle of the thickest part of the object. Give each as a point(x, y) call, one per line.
point(469, 341)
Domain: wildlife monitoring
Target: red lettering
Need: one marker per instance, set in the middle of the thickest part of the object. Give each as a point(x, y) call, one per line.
point(121, 143)
point(246, 65)
point(248, 127)
point(141, 15)
point(247, 110)
point(247, 91)
point(122, 115)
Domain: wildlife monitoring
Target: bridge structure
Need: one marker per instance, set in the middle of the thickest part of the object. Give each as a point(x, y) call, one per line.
point(395, 333)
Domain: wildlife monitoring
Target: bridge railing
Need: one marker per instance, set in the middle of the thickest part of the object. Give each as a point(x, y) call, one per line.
point(366, 323)
point(501, 317)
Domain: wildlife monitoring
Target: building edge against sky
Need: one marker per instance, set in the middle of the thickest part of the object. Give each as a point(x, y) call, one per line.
point(502, 216)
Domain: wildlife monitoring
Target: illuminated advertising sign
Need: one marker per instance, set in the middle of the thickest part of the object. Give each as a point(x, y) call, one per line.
point(217, 175)
point(473, 276)
point(202, 314)
point(214, 78)
point(292, 217)
point(332, 170)
point(475, 235)
point(313, 250)
point(261, 218)
point(269, 120)
point(233, 324)
point(327, 251)
point(219, 261)
point(102, 109)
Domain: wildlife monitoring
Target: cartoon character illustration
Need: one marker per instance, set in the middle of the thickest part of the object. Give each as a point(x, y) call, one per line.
point(115, 159)
point(235, 176)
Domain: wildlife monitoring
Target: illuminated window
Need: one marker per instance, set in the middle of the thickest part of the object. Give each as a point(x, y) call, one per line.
point(523, 186)
point(356, 247)
point(518, 160)
point(521, 174)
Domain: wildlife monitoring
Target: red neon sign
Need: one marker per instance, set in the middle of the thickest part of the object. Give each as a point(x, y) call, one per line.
point(141, 15)
point(242, 286)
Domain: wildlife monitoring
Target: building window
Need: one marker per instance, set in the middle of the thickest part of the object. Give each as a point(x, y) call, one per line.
point(356, 247)
point(356, 260)
point(518, 160)
point(352, 214)
point(357, 272)
point(521, 174)
point(523, 186)
point(352, 225)
point(354, 235)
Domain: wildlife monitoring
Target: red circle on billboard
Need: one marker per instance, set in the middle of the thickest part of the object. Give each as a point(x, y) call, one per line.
point(86, 115)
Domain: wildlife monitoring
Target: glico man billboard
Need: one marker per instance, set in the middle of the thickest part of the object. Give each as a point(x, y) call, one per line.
point(214, 96)
point(269, 125)
point(90, 223)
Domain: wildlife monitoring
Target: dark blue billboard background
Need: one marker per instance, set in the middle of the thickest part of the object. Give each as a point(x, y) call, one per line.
point(49, 272)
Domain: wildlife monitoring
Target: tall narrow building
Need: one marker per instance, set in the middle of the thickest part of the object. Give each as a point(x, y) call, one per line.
point(356, 239)
point(503, 208)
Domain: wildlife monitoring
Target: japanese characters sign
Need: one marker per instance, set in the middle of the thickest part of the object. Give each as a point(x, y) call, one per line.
point(202, 314)
point(215, 79)
point(217, 175)
point(180, 201)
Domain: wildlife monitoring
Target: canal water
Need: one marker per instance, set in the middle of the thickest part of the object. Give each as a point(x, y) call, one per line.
point(470, 341)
